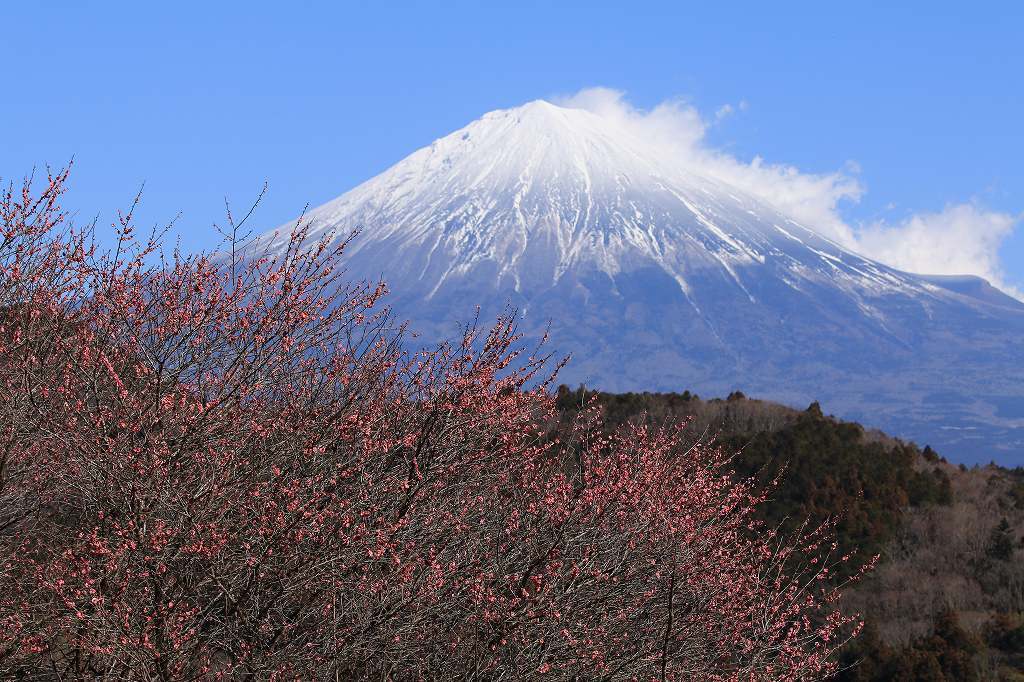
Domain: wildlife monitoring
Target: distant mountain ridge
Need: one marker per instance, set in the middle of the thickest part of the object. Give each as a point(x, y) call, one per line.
point(657, 278)
point(975, 287)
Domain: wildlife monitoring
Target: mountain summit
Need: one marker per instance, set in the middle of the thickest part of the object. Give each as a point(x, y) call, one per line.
point(658, 278)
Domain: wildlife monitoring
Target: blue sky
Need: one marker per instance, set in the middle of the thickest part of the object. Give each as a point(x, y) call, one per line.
point(921, 104)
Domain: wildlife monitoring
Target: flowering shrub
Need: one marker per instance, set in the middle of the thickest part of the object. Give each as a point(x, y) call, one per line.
point(220, 468)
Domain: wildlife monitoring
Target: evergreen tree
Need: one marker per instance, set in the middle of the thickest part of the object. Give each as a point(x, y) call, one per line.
point(1000, 542)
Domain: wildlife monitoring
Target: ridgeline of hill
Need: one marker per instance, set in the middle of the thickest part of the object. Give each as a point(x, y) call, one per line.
point(946, 600)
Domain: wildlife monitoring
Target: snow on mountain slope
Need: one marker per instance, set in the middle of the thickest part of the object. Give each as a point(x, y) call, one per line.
point(542, 190)
point(656, 278)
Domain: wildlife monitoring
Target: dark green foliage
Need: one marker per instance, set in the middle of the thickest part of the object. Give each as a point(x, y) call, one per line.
point(948, 654)
point(1000, 542)
point(619, 408)
point(1017, 493)
point(814, 409)
point(1006, 633)
point(832, 470)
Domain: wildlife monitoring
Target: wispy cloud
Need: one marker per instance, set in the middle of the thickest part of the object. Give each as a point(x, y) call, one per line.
point(962, 238)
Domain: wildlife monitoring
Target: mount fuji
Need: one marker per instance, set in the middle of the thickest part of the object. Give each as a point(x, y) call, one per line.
point(658, 278)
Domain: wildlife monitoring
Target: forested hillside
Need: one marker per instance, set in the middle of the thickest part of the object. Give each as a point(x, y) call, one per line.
point(946, 598)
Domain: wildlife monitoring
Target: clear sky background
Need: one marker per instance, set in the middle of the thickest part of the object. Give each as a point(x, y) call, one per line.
point(920, 104)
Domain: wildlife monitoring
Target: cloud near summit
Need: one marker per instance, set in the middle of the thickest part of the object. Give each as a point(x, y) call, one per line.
point(960, 239)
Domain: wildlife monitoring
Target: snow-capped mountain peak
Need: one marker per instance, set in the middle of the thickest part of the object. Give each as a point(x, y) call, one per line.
point(657, 277)
point(541, 190)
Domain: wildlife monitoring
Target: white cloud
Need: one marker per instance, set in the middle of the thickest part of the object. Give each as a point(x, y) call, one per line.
point(960, 239)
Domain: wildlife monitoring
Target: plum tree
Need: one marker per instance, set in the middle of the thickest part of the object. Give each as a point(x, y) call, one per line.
point(230, 466)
